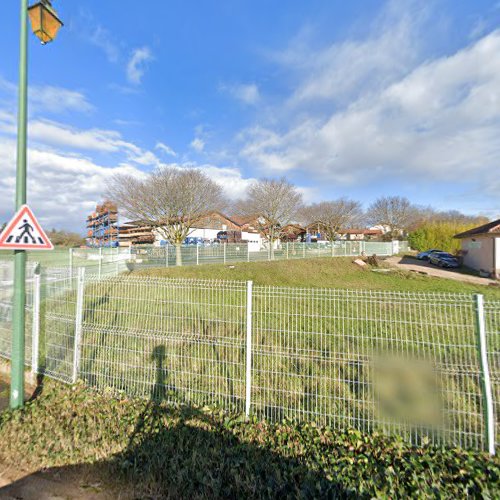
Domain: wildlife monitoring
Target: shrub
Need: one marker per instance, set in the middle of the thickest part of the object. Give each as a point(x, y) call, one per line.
point(438, 235)
point(143, 449)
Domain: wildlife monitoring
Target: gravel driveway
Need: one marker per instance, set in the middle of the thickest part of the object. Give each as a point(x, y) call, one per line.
point(421, 266)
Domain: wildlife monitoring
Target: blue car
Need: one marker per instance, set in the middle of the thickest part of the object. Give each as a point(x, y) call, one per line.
point(443, 259)
point(425, 255)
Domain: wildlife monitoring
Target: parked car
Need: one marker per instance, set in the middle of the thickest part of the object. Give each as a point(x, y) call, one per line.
point(425, 255)
point(193, 240)
point(443, 259)
point(229, 236)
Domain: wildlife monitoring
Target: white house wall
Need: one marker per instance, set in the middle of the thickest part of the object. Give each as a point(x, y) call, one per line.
point(254, 239)
point(497, 257)
point(478, 253)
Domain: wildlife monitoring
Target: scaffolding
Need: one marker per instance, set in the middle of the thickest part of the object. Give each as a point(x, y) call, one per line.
point(102, 226)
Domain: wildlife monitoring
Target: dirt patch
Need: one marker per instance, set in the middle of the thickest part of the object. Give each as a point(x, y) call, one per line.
point(423, 267)
point(57, 483)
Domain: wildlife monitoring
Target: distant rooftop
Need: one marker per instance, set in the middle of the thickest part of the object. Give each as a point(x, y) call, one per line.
point(489, 228)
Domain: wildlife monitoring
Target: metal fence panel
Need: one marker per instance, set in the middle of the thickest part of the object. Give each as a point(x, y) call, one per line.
point(492, 323)
point(399, 362)
point(150, 256)
point(57, 323)
point(179, 340)
point(6, 293)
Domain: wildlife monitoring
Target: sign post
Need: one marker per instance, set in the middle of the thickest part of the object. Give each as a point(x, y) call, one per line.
point(22, 233)
point(46, 24)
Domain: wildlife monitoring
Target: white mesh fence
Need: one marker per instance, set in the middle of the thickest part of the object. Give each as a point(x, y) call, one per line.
point(181, 340)
point(405, 363)
point(399, 362)
point(492, 324)
point(57, 323)
point(6, 293)
point(169, 256)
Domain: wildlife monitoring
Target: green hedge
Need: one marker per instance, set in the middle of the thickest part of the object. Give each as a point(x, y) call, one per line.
point(143, 449)
point(438, 235)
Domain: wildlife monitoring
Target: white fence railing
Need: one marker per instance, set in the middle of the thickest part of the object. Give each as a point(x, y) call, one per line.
point(229, 253)
point(411, 364)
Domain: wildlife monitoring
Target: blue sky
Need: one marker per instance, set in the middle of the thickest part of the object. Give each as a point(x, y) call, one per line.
point(361, 99)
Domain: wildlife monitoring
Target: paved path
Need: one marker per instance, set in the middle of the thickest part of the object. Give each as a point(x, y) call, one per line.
point(421, 266)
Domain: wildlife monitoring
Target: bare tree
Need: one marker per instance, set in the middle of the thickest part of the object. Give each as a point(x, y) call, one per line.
point(274, 203)
point(395, 213)
point(333, 216)
point(170, 199)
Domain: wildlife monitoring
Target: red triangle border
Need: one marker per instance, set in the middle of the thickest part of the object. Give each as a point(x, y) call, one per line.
point(22, 212)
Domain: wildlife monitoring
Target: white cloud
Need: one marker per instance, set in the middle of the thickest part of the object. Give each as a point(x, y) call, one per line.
point(247, 93)
point(58, 100)
point(419, 122)
point(137, 64)
point(166, 149)
point(231, 180)
point(62, 188)
point(48, 98)
point(62, 136)
point(198, 144)
point(102, 38)
point(343, 71)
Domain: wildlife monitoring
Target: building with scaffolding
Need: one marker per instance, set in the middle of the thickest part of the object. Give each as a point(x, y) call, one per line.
point(102, 226)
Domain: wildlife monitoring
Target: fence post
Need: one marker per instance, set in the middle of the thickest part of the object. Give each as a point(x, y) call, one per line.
point(78, 323)
point(303, 250)
point(248, 252)
point(35, 331)
point(166, 255)
point(71, 263)
point(100, 263)
point(197, 254)
point(225, 252)
point(248, 378)
point(489, 418)
point(287, 250)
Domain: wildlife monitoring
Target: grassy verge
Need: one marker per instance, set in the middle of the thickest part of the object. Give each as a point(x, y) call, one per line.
point(142, 449)
point(339, 272)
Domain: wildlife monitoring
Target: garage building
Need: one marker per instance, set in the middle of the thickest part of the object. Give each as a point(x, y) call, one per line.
point(481, 248)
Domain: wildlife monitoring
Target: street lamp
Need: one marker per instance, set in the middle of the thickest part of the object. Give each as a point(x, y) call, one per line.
point(44, 21)
point(45, 24)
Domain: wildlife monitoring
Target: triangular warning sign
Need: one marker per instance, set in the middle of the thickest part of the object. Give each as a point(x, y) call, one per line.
point(24, 232)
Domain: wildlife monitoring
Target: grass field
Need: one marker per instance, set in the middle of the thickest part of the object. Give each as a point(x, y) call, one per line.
point(338, 272)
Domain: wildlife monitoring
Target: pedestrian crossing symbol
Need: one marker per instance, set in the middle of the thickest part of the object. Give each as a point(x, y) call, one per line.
point(24, 232)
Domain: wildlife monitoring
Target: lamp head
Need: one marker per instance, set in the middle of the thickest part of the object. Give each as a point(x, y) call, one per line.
point(44, 21)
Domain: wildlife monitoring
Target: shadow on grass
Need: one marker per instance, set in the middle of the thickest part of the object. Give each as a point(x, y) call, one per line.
point(182, 453)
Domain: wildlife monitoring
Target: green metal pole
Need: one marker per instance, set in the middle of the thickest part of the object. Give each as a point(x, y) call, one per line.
point(18, 313)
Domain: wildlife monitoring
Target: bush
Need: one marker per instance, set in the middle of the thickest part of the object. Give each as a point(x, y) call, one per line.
point(143, 449)
point(438, 235)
